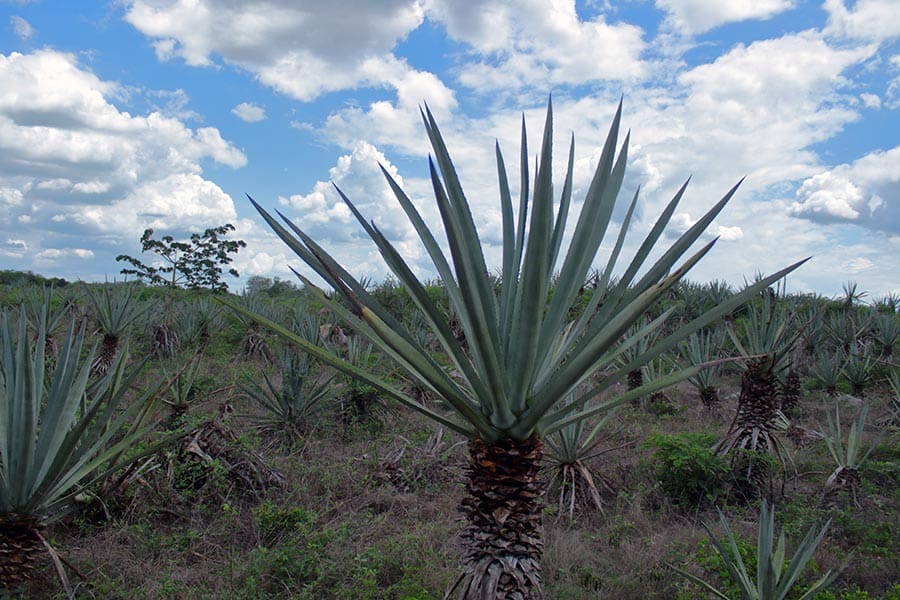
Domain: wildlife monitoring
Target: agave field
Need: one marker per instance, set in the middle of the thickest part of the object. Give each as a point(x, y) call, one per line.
point(548, 430)
point(252, 470)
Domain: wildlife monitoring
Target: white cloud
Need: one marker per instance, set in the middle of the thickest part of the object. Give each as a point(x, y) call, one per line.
point(300, 49)
point(864, 192)
point(697, 16)
point(874, 20)
point(539, 42)
point(13, 248)
point(54, 255)
point(249, 112)
point(74, 167)
point(870, 100)
point(324, 216)
point(857, 265)
point(22, 27)
point(729, 233)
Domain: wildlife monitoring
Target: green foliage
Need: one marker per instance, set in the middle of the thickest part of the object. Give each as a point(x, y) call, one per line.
point(291, 407)
point(196, 263)
point(27, 278)
point(687, 468)
point(59, 431)
point(275, 522)
point(858, 594)
point(775, 577)
point(116, 307)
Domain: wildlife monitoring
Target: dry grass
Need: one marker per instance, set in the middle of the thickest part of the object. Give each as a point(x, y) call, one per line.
point(368, 510)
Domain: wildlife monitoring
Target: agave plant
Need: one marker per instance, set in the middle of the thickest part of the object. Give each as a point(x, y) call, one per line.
point(181, 388)
point(767, 343)
point(828, 368)
point(642, 338)
point(775, 579)
point(702, 349)
point(44, 309)
point(886, 333)
point(359, 400)
point(291, 407)
point(568, 451)
point(848, 454)
point(196, 320)
point(521, 356)
point(59, 434)
point(858, 371)
point(116, 310)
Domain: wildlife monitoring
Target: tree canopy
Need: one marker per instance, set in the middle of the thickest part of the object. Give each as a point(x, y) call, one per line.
point(196, 264)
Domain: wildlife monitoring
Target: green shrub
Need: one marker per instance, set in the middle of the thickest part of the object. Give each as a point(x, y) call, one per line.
point(687, 469)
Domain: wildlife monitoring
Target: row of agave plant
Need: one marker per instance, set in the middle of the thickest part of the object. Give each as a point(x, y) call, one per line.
point(509, 365)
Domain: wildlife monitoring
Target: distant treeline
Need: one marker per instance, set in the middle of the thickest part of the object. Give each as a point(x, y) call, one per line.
point(10, 277)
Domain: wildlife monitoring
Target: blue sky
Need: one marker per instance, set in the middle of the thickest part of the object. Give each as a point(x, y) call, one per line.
point(117, 116)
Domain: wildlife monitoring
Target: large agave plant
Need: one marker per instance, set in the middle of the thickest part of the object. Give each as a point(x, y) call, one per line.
point(59, 434)
point(767, 342)
point(522, 351)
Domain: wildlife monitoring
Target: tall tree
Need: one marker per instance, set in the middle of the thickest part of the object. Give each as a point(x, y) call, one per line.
point(523, 355)
point(197, 263)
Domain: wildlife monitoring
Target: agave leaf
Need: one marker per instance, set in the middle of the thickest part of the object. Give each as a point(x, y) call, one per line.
point(521, 356)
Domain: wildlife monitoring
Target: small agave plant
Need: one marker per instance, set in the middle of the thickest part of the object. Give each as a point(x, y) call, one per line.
point(290, 407)
point(517, 349)
point(848, 454)
point(774, 579)
point(116, 310)
point(571, 478)
point(702, 349)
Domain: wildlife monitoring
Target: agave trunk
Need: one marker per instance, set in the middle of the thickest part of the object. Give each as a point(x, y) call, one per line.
point(758, 402)
point(165, 341)
point(504, 531)
point(709, 396)
point(750, 434)
point(842, 480)
point(790, 391)
point(108, 349)
point(20, 544)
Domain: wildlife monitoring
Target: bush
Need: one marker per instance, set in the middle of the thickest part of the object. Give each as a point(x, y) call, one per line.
point(687, 469)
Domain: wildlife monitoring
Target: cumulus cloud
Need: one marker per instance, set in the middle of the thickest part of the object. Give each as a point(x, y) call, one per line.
point(13, 248)
point(323, 215)
point(873, 20)
point(520, 44)
point(73, 166)
point(754, 111)
point(870, 100)
point(249, 112)
point(299, 49)
point(55, 255)
point(22, 27)
point(697, 16)
point(864, 192)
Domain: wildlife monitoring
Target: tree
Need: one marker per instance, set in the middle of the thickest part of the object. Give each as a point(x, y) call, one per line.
point(197, 263)
point(523, 354)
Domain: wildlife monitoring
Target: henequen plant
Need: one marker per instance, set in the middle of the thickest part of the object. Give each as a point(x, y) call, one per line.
point(775, 578)
point(848, 455)
point(59, 433)
point(520, 356)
